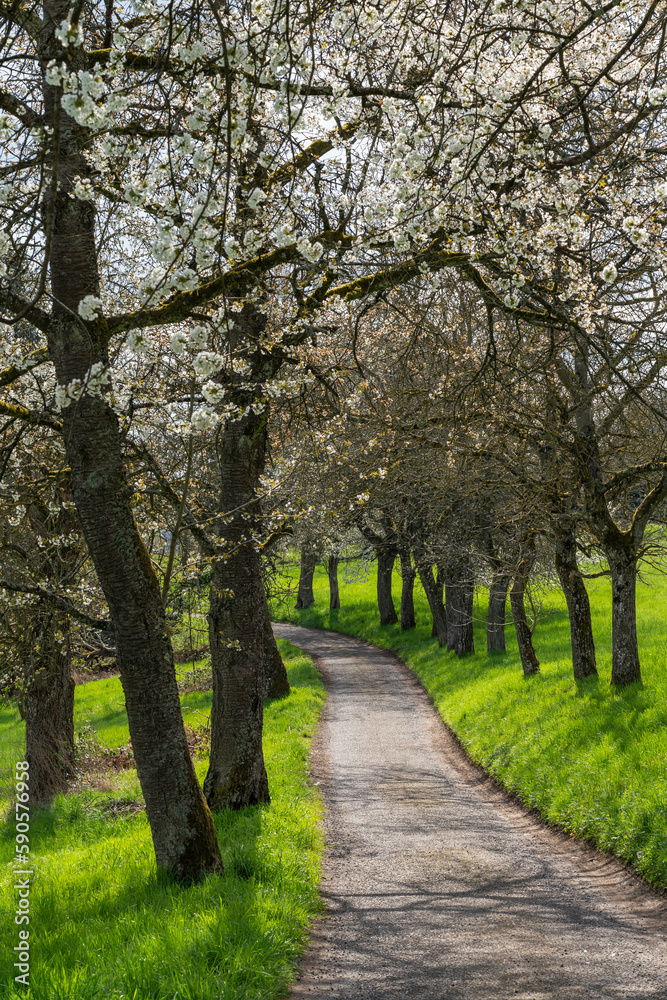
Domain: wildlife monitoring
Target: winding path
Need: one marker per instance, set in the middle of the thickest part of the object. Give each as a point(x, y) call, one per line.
point(436, 884)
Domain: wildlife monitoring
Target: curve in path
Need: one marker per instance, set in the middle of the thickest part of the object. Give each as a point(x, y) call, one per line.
point(436, 885)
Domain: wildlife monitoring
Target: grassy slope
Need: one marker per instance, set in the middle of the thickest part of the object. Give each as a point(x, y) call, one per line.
point(103, 925)
point(589, 758)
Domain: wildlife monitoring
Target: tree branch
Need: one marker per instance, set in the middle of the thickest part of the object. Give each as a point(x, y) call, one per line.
point(172, 498)
point(32, 360)
point(21, 15)
point(39, 419)
point(19, 307)
point(58, 601)
point(19, 110)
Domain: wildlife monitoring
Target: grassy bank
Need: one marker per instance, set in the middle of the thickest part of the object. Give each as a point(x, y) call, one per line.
point(103, 925)
point(590, 758)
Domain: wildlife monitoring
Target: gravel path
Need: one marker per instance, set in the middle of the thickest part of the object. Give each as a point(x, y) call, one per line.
point(436, 884)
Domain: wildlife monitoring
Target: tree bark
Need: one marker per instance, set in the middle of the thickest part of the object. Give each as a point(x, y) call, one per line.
point(578, 605)
point(276, 681)
point(434, 599)
point(237, 626)
point(48, 707)
point(625, 668)
point(495, 617)
point(305, 596)
point(334, 595)
point(460, 592)
point(439, 582)
point(529, 661)
point(386, 558)
point(408, 573)
point(183, 832)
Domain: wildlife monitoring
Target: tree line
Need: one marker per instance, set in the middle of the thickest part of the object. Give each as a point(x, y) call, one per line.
point(232, 228)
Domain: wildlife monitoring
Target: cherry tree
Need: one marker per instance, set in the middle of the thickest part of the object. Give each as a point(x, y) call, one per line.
point(220, 177)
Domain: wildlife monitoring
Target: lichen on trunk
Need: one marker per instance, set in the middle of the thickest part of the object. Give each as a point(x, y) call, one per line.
point(495, 617)
point(434, 598)
point(625, 667)
point(529, 661)
point(386, 557)
point(459, 594)
point(578, 604)
point(334, 592)
point(305, 596)
point(408, 573)
point(236, 775)
point(47, 704)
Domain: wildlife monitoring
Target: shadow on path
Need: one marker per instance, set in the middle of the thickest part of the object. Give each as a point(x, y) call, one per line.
point(433, 891)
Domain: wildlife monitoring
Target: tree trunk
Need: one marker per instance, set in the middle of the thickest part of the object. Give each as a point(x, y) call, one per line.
point(276, 681)
point(237, 626)
point(460, 592)
point(439, 582)
point(183, 832)
point(408, 573)
point(434, 599)
point(48, 707)
point(578, 606)
point(622, 561)
point(332, 570)
point(529, 661)
point(305, 596)
point(386, 558)
point(495, 618)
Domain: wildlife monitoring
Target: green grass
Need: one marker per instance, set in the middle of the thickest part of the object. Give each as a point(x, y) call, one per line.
point(104, 925)
point(591, 759)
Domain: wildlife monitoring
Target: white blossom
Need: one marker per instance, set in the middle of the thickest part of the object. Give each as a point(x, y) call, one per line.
point(255, 197)
point(138, 342)
point(69, 34)
point(208, 363)
point(632, 225)
point(62, 399)
point(204, 419)
point(213, 392)
point(83, 190)
point(657, 95)
point(89, 307)
point(311, 251)
point(179, 342)
point(198, 337)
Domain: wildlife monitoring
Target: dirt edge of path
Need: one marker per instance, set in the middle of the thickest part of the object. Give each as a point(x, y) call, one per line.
point(603, 871)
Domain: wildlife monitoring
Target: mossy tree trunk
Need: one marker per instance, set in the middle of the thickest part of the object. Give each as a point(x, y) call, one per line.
point(625, 666)
point(386, 557)
point(48, 705)
point(305, 596)
point(495, 617)
point(183, 832)
point(459, 596)
point(439, 583)
point(578, 604)
point(408, 573)
point(236, 775)
point(434, 598)
point(332, 572)
point(529, 661)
